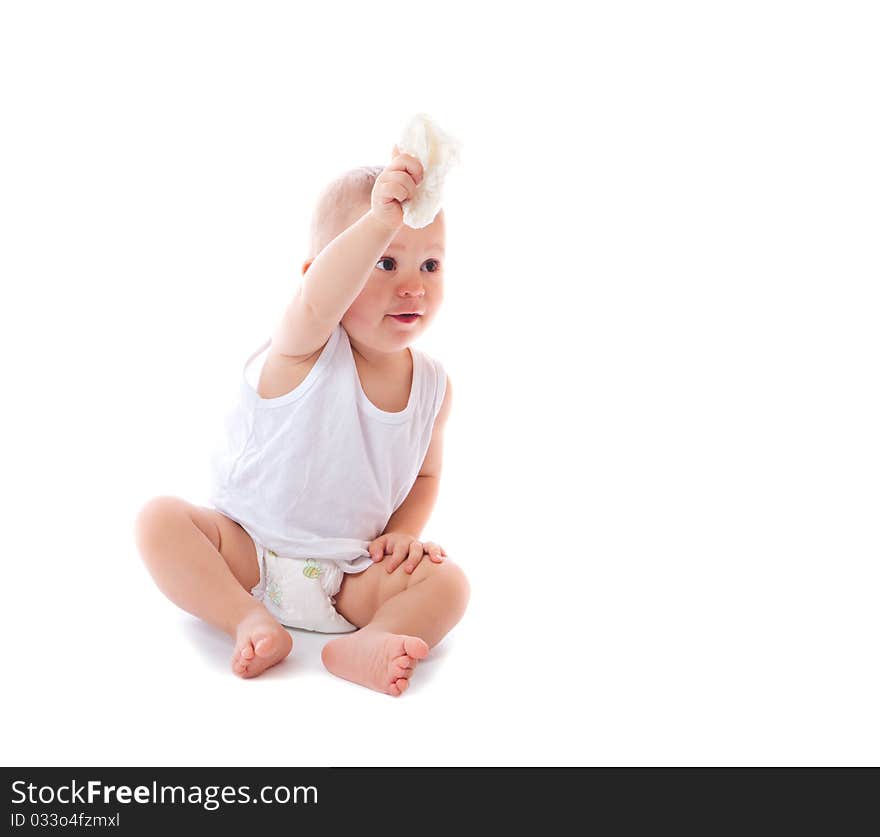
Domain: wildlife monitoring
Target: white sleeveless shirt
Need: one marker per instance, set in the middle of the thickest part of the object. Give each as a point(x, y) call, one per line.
point(318, 472)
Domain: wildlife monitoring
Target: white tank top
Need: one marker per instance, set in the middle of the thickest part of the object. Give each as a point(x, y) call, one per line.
point(318, 472)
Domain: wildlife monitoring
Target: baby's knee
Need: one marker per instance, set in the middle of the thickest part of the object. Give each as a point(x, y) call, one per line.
point(450, 578)
point(459, 584)
point(155, 517)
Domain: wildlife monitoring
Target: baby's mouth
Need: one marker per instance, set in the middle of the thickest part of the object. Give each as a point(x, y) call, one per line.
point(404, 318)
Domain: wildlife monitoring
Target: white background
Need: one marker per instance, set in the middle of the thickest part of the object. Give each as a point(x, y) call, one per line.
point(661, 322)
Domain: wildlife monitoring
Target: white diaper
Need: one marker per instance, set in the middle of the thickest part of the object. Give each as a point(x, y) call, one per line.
point(299, 592)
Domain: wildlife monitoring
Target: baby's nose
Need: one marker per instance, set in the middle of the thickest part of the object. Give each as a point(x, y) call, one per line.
point(412, 286)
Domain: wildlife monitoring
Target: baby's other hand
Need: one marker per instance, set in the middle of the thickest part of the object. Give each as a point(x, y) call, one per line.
point(396, 184)
point(403, 547)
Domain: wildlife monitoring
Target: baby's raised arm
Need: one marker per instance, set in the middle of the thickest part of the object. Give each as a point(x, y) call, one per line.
point(340, 271)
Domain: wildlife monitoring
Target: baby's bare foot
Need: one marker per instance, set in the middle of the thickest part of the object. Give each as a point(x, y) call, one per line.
point(377, 659)
point(260, 642)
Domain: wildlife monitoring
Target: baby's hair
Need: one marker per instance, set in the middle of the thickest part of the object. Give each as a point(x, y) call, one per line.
point(330, 217)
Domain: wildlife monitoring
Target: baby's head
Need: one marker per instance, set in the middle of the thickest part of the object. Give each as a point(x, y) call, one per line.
point(408, 277)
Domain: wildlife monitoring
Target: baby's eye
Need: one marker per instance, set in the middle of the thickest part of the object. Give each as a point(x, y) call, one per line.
point(381, 264)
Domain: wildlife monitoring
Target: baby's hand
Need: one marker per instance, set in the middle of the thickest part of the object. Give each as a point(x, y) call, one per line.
point(401, 546)
point(396, 184)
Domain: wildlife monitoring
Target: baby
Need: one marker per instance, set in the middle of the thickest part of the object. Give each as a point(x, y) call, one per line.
point(331, 464)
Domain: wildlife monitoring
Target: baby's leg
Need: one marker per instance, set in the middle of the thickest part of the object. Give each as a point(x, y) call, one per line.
point(207, 564)
point(400, 615)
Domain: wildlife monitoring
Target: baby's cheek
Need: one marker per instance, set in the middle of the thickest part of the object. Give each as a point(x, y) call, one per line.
point(355, 313)
point(369, 304)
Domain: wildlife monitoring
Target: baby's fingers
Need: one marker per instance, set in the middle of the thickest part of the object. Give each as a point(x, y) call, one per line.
point(397, 557)
point(406, 162)
point(416, 550)
point(435, 551)
point(399, 184)
point(377, 549)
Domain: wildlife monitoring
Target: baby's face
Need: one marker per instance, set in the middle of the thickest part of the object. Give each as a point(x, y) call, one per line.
point(407, 278)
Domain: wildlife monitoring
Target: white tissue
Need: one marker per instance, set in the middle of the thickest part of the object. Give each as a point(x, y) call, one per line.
point(437, 152)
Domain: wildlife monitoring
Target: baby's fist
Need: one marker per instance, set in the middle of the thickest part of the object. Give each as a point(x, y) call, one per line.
point(397, 183)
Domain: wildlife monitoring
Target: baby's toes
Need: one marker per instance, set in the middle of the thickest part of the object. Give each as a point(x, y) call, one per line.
point(398, 687)
point(242, 656)
point(415, 647)
point(265, 646)
point(400, 670)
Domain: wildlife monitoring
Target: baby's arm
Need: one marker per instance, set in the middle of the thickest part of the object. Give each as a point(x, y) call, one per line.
point(340, 271)
point(400, 538)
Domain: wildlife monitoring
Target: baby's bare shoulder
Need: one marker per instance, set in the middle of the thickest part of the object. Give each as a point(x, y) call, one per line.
point(282, 374)
point(445, 407)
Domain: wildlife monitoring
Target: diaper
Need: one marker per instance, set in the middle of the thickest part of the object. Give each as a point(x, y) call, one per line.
point(299, 592)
